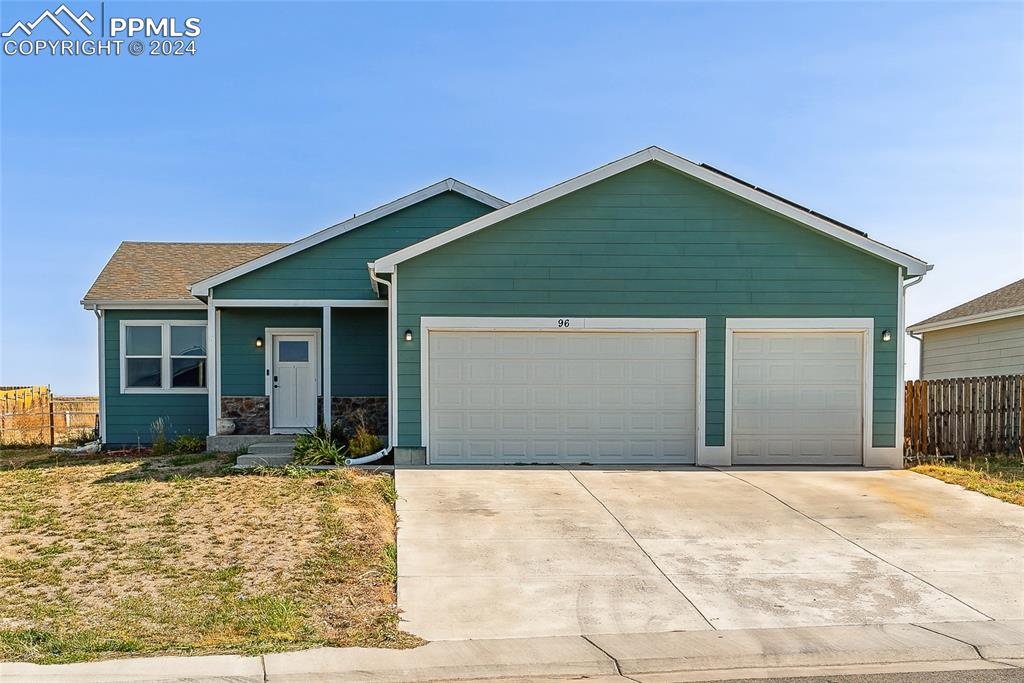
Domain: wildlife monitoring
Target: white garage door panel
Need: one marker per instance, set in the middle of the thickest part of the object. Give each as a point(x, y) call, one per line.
point(506, 397)
point(797, 398)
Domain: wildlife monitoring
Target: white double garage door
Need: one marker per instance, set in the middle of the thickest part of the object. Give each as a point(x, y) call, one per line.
point(634, 396)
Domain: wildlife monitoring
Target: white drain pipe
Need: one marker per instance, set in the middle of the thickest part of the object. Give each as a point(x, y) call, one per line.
point(373, 457)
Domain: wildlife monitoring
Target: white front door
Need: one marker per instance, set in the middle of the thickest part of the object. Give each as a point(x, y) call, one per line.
point(294, 386)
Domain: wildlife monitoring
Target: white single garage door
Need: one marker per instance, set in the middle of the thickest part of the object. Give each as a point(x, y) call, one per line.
point(797, 398)
point(562, 397)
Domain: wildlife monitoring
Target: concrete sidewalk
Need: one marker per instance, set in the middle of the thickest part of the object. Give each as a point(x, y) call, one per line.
point(644, 657)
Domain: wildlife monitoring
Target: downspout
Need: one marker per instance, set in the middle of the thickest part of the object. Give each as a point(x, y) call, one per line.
point(373, 457)
point(920, 340)
point(102, 371)
point(377, 280)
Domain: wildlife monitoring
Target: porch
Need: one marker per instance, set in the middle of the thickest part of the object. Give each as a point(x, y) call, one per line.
point(282, 366)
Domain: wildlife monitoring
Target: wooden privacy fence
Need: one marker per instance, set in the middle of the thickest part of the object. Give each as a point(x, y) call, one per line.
point(33, 416)
point(964, 416)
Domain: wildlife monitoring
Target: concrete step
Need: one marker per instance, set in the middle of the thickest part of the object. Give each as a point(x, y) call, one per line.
point(272, 447)
point(279, 460)
point(233, 442)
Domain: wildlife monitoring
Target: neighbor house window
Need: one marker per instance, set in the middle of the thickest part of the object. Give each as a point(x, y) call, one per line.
point(163, 356)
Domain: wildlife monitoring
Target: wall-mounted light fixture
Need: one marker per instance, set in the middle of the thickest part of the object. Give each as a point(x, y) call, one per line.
point(408, 335)
point(886, 335)
point(259, 342)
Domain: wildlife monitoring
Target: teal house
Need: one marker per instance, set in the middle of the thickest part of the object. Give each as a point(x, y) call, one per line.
point(653, 310)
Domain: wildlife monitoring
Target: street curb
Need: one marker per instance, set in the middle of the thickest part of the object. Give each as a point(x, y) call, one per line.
point(981, 644)
point(148, 669)
point(444, 660)
point(992, 639)
point(788, 647)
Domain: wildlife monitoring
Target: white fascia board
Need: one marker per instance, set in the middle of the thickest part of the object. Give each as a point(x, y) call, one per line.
point(913, 265)
point(301, 303)
point(564, 324)
point(968, 320)
point(202, 287)
point(473, 193)
point(132, 304)
point(799, 324)
point(234, 303)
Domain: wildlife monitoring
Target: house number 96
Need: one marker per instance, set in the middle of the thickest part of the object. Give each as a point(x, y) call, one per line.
point(563, 322)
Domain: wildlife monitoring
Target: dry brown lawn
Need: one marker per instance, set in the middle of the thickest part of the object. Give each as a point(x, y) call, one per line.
point(132, 555)
point(999, 476)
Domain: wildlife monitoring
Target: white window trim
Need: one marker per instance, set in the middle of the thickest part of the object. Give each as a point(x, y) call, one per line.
point(430, 324)
point(722, 455)
point(165, 357)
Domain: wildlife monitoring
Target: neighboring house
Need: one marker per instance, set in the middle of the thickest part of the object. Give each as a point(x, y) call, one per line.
point(984, 336)
point(651, 310)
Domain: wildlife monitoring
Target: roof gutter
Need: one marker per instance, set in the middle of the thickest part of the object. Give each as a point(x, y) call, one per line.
point(968, 319)
point(144, 304)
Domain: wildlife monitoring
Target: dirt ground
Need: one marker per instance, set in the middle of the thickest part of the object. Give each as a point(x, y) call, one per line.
point(130, 555)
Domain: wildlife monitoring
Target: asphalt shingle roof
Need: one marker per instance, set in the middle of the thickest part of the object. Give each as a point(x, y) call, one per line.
point(1010, 296)
point(162, 271)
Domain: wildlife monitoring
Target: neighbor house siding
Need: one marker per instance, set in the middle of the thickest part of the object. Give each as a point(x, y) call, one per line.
point(991, 348)
point(358, 340)
point(650, 242)
point(336, 269)
point(129, 416)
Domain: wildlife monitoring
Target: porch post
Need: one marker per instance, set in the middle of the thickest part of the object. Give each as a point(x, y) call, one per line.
point(325, 364)
point(211, 364)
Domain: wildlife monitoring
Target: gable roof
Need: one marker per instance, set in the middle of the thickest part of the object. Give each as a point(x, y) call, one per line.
point(162, 271)
point(1004, 302)
point(702, 172)
point(202, 287)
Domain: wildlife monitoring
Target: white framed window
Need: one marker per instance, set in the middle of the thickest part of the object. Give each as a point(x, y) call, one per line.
point(163, 356)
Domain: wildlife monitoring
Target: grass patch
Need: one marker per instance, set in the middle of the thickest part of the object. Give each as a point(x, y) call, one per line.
point(192, 459)
point(131, 555)
point(1000, 476)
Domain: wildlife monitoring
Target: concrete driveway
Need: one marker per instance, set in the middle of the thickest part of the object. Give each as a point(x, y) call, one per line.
point(494, 553)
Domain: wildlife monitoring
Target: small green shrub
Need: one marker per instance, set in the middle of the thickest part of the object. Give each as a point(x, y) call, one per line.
point(338, 434)
point(319, 447)
point(188, 443)
point(363, 442)
point(390, 562)
point(158, 429)
point(84, 437)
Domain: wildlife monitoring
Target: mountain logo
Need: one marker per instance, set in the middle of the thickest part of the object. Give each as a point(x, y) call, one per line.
point(77, 20)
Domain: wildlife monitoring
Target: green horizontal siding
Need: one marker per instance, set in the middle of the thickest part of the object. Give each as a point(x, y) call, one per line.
point(359, 364)
point(650, 242)
point(336, 269)
point(242, 365)
point(358, 339)
point(128, 417)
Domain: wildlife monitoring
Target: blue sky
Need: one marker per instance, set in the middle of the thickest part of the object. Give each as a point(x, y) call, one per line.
point(905, 120)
